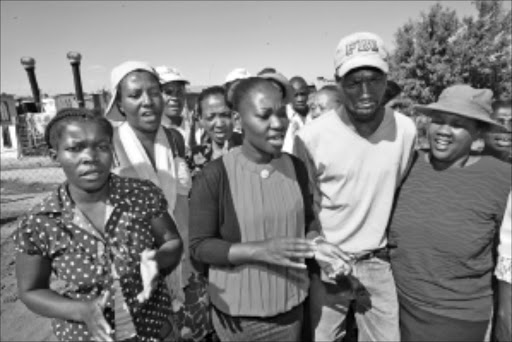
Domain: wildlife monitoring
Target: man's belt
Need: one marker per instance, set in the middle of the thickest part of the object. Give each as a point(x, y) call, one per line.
point(381, 253)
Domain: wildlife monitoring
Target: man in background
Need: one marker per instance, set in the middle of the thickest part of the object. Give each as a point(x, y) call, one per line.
point(297, 111)
point(498, 142)
point(326, 99)
point(174, 92)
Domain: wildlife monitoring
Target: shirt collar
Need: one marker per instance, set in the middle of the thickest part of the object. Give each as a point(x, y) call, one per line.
point(59, 202)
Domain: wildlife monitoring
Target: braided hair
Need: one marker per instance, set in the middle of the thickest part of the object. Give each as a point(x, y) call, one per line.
point(65, 116)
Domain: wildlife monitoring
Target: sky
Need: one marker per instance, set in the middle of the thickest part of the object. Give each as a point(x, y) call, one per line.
point(204, 40)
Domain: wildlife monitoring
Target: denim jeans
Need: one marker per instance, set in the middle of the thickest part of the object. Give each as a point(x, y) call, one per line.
point(371, 289)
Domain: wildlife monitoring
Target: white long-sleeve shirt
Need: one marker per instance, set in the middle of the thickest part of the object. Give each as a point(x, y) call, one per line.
point(503, 267)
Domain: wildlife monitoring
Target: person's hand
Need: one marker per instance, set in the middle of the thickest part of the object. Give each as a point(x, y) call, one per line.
point(285, 252)
point(331, 259)
point(94, 319)
point(149, 273)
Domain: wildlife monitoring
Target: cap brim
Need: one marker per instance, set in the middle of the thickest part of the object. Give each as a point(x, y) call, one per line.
point(276, 77)
point(165, 81)
point(436, 108)
point(363, 61)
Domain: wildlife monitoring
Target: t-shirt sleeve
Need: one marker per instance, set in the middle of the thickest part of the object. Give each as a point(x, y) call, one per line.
point(205, 241)
point(31, 236)
point(301, 151)
point(156, 202)
point(410, 142)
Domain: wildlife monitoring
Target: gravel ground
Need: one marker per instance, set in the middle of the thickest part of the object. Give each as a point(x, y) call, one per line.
point(21, 190)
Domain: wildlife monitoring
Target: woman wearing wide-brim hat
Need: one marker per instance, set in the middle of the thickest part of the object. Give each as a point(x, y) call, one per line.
point(446, 217)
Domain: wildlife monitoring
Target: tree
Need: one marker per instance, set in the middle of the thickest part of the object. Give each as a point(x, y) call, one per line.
point(439, 50)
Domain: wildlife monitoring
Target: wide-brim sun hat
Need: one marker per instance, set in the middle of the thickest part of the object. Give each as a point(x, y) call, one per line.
point(360, 49)
point(282, 81)
point(169, 74)
point(116, 76)
point(463, 100)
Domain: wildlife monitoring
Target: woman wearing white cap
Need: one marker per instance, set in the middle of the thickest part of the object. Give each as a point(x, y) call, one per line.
point(144, 149)
point(446, 218)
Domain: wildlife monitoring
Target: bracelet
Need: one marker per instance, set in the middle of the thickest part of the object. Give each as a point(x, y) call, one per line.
point(318, 238)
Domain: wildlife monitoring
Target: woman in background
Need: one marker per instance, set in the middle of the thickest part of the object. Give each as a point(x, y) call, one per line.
point(217, 120)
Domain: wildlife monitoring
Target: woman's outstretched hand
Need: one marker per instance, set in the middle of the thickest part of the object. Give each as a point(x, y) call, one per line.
point(95, 321)
point(285, 251)
point(149, 273)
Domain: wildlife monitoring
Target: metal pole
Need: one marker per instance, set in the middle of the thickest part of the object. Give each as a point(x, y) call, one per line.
point(29, 64)
point(75, 58)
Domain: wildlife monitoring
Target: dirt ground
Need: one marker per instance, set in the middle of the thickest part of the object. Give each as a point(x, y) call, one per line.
point(20, 190)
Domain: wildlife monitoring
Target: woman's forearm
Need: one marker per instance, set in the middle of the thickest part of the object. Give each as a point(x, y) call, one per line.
point(48, 303)
point(244, 253)
point(503, 322)
point(168, 256)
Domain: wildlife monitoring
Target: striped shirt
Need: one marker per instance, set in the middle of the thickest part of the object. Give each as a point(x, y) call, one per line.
point(444, 227)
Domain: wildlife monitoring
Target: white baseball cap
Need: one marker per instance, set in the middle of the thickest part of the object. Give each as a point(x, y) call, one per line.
point(237, 74)
point(358, 50)
point(117, 74)
point(169, 74)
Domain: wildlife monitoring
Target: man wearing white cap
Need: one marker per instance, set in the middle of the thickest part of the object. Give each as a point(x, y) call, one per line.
point(357, 156)
point(174, 92)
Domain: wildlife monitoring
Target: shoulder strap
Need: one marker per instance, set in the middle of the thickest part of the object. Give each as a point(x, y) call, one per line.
point(174, 141)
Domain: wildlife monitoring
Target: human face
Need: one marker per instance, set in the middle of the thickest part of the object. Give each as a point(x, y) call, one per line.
point(500, 140)
point(451, 137)
point(141, 101)
point(84, 151)
point(324, 102)
point(264, 122)
point(300, 96)
point(174, 97)
point(216, 118)
point(363, 90)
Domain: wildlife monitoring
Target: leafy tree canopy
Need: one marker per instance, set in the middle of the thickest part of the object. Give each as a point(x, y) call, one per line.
point(438, 50)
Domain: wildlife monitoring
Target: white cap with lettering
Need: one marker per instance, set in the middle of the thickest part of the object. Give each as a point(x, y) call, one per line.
point(359, 50)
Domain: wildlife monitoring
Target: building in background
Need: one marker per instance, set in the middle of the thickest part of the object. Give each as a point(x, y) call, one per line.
point(9, 137)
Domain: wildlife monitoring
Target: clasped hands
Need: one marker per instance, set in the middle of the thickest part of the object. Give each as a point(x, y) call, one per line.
point(331, 259)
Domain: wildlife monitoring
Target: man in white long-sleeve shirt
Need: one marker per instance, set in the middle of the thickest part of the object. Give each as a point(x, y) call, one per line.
point(357, 156)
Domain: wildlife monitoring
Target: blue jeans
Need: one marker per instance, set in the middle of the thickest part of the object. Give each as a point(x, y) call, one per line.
point(371, 289)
